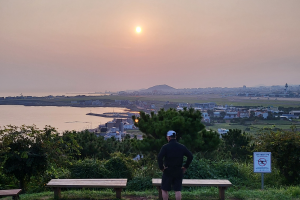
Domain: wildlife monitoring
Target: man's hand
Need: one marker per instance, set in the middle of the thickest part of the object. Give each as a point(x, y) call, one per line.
point(183, 169)
point(164, 169)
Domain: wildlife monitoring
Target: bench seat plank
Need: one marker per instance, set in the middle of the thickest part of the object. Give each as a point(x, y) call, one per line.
point(199, 182)
point(92, 183)
point(13, 192)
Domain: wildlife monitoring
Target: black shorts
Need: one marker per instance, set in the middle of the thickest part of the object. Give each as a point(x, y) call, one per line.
point(172, 180)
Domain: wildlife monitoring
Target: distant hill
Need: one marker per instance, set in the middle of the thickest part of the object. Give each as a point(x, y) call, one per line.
point(164, 88)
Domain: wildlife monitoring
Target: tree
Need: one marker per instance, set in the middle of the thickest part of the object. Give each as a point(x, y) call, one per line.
point(61, 148)
point(22, 152)
point(92, 146)
point(210, 113)
point(237, 143)
point(270, 115)
point(211, 140)
point(186, 123)
point(252, 114)
point(222, 113)
point(26, 151)
point(285, 149)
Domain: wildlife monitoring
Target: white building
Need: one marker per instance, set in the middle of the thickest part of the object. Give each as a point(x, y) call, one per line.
point(206, 117)
point(128, 126)
point(179, 108)
point(222, 131)
point(231, 115)
point(295, 112)
point(217, 114)
point(261, 113)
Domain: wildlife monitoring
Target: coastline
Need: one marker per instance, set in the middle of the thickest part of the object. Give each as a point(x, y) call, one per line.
point(58, 104)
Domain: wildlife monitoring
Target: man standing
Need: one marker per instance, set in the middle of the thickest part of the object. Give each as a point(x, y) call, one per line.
point(171, 166)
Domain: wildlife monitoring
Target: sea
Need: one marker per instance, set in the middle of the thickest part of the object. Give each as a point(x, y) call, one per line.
point(62, 118)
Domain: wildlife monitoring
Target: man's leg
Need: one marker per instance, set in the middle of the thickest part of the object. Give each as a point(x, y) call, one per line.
point(166, 183)
point(178, 195)
point(165, 195)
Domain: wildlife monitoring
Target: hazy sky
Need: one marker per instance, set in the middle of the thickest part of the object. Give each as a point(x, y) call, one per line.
point(92, 45)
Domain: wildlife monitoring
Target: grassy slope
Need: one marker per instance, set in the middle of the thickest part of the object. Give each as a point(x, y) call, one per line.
point(210, 193)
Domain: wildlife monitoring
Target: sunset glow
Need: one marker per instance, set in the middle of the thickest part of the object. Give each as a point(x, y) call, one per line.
point(83, 46)
point(138, 29)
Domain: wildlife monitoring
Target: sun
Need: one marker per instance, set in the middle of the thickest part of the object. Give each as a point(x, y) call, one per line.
point(138, 29)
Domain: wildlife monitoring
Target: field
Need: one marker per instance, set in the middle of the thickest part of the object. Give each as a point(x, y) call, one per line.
point(256, 126)
point(232, 100)
point(134, 131)
point(160, 100)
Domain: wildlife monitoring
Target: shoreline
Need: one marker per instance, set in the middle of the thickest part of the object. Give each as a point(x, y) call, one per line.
point(129, 108)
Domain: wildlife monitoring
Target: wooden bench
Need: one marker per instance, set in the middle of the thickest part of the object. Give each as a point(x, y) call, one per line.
point(221, 184)
point(57, 184)
point(14, 193)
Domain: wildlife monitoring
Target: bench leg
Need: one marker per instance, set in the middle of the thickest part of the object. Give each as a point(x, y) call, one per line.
point(118, 192)
point(222, 193)
point(57, 192)
point(16, 197)
point(159, 192)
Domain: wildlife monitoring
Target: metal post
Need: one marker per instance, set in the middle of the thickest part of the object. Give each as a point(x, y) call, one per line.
point(262, 181)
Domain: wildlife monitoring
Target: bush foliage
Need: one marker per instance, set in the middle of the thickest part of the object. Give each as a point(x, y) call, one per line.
point(36, 156)
point(88, 168)
point(285, 149)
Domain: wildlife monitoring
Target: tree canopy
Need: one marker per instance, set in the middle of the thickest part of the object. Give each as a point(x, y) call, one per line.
point(22, 152)
point(26, 151)
point(237, 143)
point(186, 123)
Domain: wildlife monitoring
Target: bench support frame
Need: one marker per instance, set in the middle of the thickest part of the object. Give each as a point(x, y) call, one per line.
point(16, 197)
point(57, 193)
point(159, 192)
point(221, 193)
point(118, 192)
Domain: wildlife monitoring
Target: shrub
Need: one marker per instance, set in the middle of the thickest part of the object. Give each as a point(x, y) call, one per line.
point(88, 168)
point(139, 184)
point(205, 169)
point(118, 168)
point(7, 182)
point(148, 168)
point(285, 149)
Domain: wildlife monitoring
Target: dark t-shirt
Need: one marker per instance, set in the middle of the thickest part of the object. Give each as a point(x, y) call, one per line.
point(173, 154)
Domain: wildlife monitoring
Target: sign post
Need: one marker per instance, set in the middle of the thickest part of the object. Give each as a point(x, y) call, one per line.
point(262, 164)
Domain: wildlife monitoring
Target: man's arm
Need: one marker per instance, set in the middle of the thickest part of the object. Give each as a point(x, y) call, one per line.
point(189, 156)
point(160, 157)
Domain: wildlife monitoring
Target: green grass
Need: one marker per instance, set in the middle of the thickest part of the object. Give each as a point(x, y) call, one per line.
point(202, 193)
point(256, 126)
point(134, 132)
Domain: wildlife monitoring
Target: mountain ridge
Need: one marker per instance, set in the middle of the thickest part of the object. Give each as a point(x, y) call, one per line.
point(163, 87)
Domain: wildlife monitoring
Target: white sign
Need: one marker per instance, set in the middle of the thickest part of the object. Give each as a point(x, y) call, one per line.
point(262, 162)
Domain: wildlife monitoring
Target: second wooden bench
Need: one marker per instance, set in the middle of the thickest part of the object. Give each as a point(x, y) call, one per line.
point(221, 184)
point(57, 184)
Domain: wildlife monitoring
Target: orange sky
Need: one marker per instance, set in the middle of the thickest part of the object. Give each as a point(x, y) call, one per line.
point(76, 45)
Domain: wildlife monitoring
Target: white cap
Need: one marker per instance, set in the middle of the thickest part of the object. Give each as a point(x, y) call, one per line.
point(171, 133)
